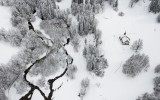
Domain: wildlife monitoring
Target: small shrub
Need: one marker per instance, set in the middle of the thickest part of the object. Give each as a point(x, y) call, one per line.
point(84, 86)
point(154, 6)
point(72, 69)
point(157, 69)
point(95, 63)
point(135, 64)
point(121, 13)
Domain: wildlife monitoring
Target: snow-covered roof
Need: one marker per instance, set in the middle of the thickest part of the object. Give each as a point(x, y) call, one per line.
point(125, 40)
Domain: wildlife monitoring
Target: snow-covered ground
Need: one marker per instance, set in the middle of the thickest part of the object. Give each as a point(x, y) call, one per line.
point(137, 23)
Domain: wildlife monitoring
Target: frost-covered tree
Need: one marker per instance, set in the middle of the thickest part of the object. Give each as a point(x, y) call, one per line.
point(75, 42)
point(33, 45)
point(5, 2)
point(137, 45)
point(158, 18)
point(4, 77)
point(121, 13)
point(33, 4)
point(84, 87)
point(132, 2)
point(10, 73)
point(157, 86)
point(17, 20)
point(111, 2)
point(57, 30)
point(38, 56)
point(156, 81)
point(58, 0)
point(45, 66)
point(50, 65)
point(115, 5)
point(78, 1)
point(98, 40)
point(154, 6)
point(85, 83)
point(41, 82)
point(63, 14)
point(135, 64)
point(32, 41)
point(20, 85)
point(74, 36)
point(22, 9)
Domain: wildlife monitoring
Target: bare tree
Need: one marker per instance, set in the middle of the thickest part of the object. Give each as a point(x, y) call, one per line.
point(137, 45)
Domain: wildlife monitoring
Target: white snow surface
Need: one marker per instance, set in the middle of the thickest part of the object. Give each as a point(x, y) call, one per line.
point(64, 4)
point(7, 51)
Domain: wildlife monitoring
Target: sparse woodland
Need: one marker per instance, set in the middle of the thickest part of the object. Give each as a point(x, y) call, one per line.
point(44, 53)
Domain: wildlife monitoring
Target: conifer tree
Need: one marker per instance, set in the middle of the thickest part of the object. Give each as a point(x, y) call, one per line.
point(154, 6)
